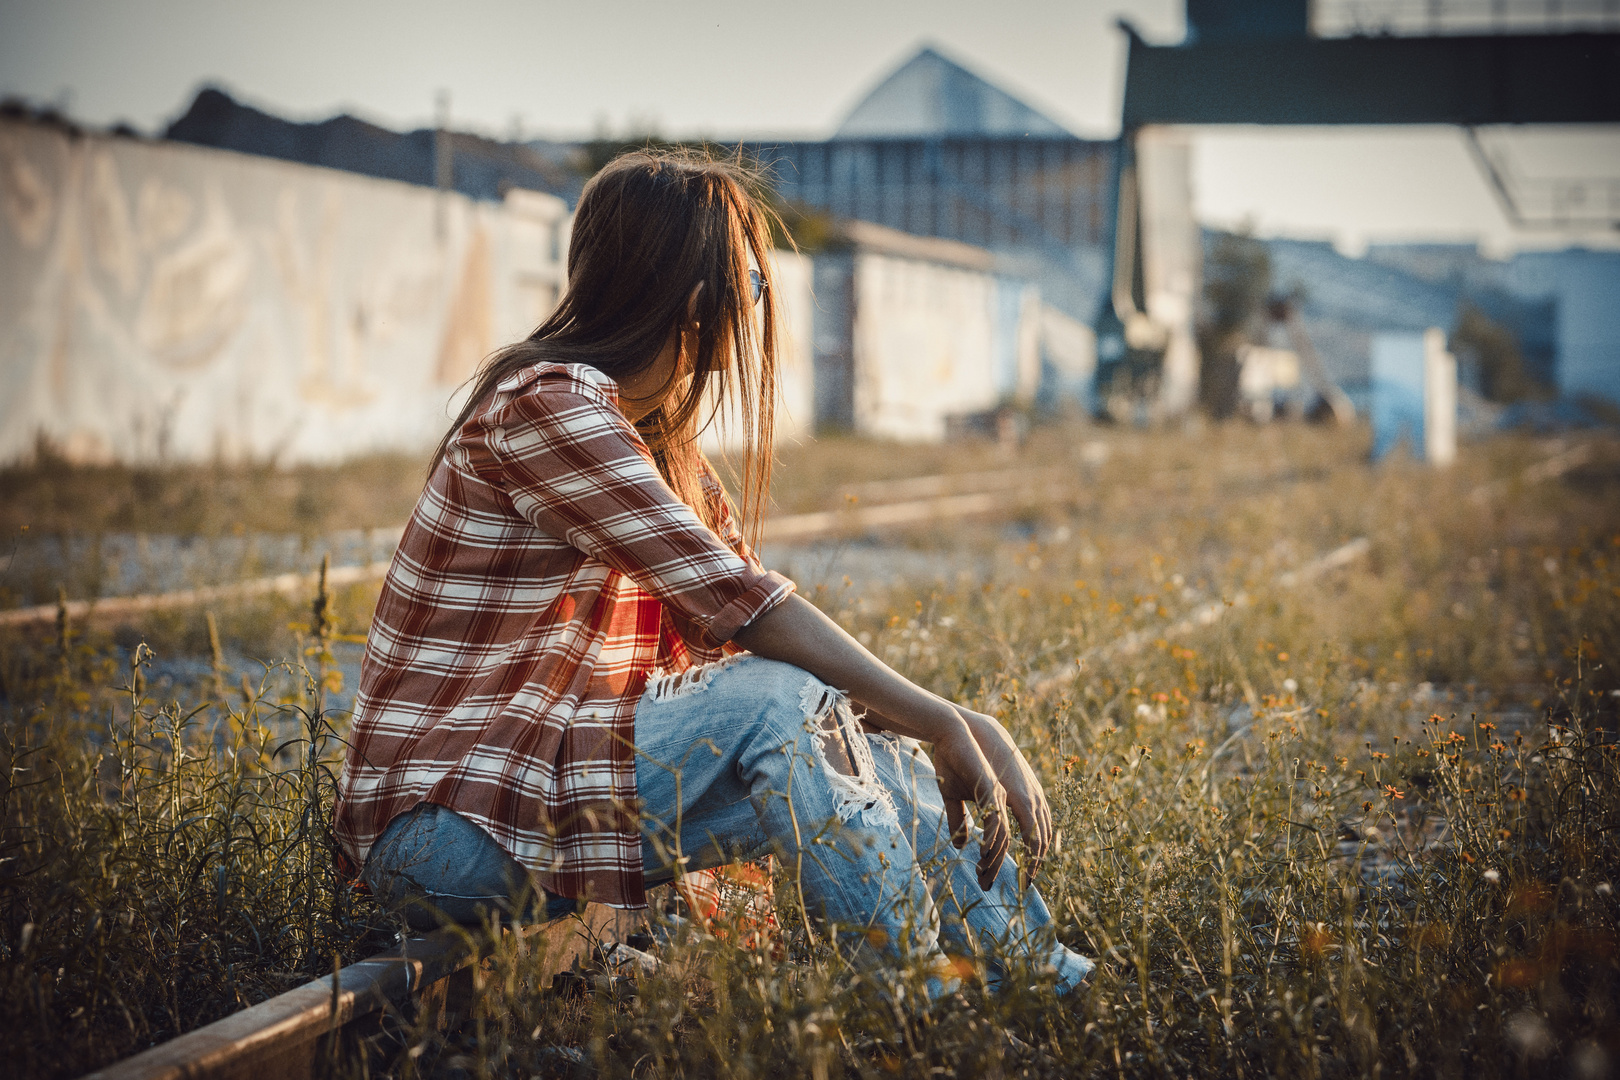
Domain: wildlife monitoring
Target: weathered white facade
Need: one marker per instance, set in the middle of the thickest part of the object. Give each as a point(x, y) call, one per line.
point(159, 300)
point(935, 334)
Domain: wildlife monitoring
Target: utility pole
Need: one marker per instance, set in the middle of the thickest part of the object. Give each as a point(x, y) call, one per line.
point(444, 164)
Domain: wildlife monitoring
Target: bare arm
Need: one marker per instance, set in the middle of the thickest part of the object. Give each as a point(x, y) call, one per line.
point(975, 758)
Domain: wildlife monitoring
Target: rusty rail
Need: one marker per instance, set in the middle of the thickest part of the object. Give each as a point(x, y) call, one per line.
point(288, 1036)
point(1010, 485)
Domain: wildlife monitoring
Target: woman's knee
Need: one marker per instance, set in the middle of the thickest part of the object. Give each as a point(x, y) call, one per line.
point(797, 713)
point(780, 694)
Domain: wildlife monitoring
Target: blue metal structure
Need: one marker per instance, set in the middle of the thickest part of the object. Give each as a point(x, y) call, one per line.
point(1255, 62)
point(1048, 194)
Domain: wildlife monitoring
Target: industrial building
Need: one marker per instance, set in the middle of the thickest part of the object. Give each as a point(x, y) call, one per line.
point(936, 150)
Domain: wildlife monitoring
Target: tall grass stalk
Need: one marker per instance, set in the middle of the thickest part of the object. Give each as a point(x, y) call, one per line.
point(1362, 826)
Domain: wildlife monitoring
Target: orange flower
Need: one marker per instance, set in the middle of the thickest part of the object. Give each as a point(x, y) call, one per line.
point(1391, 793)
point(1430, 935)
point(1519, 974)
point(1315, 942)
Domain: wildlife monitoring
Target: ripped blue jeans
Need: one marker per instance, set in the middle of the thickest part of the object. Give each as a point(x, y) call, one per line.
point(749, 757)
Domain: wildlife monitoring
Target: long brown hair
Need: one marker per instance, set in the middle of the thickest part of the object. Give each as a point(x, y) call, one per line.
point(650, 227)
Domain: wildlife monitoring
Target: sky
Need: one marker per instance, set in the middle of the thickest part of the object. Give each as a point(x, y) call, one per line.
point(723, 68)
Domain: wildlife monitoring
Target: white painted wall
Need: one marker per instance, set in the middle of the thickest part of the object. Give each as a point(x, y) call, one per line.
point(924, 348)
point(162, 300)
point(159, 300)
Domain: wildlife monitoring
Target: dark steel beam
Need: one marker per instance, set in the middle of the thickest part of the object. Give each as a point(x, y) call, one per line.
point(1538, 79)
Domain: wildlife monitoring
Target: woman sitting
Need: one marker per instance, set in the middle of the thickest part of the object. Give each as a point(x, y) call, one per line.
point(579, 679)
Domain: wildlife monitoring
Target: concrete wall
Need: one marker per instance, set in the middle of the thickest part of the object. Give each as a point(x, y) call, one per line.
point(165, 301)
point(932, 341)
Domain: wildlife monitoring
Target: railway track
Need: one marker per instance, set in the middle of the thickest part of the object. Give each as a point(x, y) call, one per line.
point(915, 501)
point(294, 1034)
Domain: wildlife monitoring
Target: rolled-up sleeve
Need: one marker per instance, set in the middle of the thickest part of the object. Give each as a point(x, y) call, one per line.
point(575, 468)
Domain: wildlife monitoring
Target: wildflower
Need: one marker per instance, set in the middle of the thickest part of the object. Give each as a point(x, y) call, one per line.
point(1504, 834)
point(1455, 738)
point(1282, 657)
point(1391, 793)
point(1517, 794)
point(1193, 749)
point(1379, 755)
point(1316, 941)
point(1115, 771)
point(1499, 747)
point(1436, 718)
point(1366, 808)
point(1486, 725)
point(1429, 935)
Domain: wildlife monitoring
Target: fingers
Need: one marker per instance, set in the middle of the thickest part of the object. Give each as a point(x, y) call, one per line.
point(1035, 822)
point(1028, 873)
point(1029, 824)
point(992, 845)
point(956, 818)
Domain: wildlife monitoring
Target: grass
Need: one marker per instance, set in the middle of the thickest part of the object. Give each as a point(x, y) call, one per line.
point(1362, 825)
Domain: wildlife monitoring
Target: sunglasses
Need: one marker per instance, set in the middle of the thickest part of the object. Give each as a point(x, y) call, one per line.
point(756, 285)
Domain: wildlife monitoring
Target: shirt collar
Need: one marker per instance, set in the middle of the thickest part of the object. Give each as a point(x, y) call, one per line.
point(588, 378)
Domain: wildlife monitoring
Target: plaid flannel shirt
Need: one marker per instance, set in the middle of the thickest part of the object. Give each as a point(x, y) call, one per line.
point(546, 573)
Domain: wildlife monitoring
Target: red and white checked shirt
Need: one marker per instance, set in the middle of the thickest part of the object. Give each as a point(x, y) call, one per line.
point(546, 572)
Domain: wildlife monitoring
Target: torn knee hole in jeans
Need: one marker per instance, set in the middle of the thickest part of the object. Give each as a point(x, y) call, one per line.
point(846, 758)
